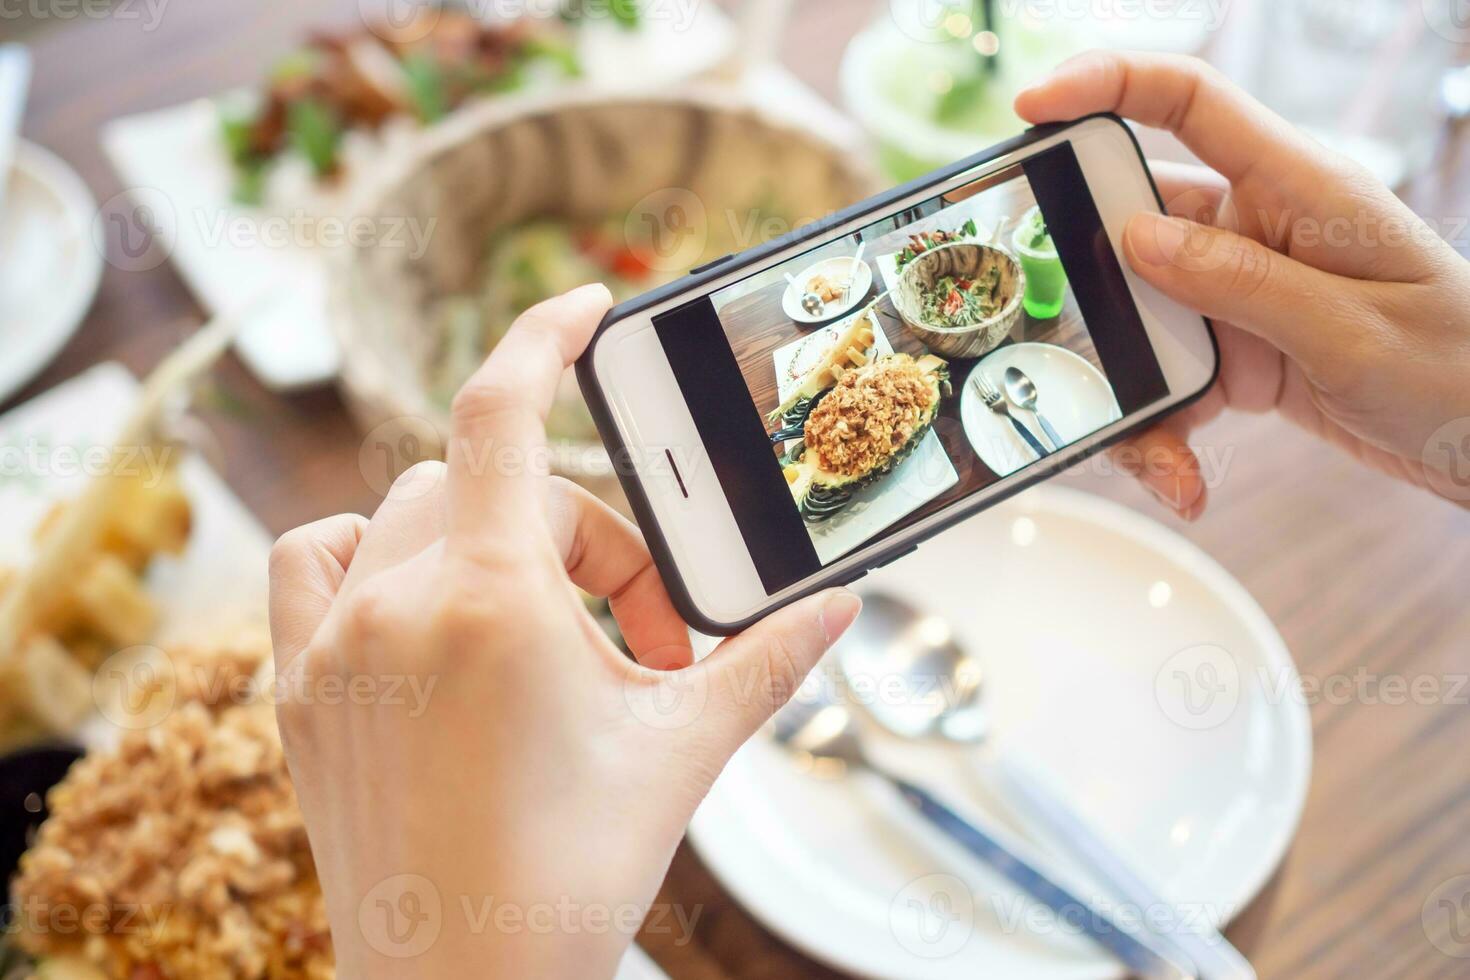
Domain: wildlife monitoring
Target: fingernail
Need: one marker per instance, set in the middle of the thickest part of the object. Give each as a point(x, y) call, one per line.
point(1155, 239)
point(838, 613)
point(603, 293)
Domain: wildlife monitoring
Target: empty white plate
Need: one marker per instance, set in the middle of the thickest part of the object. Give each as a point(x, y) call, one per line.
point(49, 269)
point(1073, 395)
point(1122, 662)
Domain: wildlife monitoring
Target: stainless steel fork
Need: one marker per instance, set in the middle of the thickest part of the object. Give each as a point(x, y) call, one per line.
point(996, 402)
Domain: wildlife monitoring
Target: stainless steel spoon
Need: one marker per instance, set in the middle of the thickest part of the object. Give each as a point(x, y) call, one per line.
point(810, 302)
point(933, 688)
point(821, 731)
point(1021, 390)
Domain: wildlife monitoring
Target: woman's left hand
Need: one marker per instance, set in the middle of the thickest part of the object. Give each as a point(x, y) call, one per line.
point(490, 786)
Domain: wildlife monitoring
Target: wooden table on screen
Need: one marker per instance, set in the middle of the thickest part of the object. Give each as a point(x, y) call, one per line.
point(1356, 570)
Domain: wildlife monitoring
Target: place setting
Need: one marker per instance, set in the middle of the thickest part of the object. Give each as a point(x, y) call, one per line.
point(972, 785)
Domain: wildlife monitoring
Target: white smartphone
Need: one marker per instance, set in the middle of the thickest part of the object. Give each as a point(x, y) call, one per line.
point(790, 417)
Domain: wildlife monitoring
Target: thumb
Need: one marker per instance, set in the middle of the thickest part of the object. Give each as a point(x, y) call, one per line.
point(1229, 277)
point(755, 673)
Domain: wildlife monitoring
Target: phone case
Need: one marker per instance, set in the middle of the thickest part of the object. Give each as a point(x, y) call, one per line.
point(723, 266)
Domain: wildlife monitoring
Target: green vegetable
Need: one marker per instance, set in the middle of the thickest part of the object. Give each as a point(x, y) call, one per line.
point(426, 88)
point(624, 12)
point(316, 133)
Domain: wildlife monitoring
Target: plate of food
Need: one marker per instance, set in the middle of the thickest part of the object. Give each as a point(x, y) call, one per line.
point(251, 191)
point(1072, 394)
point(839, 284)
point(133, 591)
point(115, 539)
point(849, 489)
point(961, 299)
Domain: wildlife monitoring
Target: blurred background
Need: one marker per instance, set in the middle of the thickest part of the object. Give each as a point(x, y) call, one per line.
point(358, 196)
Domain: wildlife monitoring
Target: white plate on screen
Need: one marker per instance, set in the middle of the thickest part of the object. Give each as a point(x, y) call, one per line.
point(1089, 623)
point(1073, 395)
point(49, 269)
point(838, 270)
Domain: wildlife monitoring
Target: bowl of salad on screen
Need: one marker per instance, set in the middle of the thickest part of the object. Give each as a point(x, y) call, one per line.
point(961, 299)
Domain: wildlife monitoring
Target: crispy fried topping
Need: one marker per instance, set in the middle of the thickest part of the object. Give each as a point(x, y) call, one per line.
point(869, 415)
point(182, 853)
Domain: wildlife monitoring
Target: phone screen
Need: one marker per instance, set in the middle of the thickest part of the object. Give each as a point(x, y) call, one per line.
point(843, 397)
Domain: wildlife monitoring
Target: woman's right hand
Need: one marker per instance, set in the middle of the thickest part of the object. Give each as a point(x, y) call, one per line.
point(1333, 302)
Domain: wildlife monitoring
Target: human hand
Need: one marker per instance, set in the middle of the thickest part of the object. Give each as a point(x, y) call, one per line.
point(543, 770)
point(1333, 303)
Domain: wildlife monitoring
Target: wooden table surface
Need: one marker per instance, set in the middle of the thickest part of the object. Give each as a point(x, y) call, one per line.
point(1363, 576)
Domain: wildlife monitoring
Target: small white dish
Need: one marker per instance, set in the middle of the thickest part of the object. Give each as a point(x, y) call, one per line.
point(1090, 620)
point(49, 270)
point(839, 270)
point(1073, 395)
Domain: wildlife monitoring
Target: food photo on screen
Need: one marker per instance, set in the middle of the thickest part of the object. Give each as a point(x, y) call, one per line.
point(937, 350)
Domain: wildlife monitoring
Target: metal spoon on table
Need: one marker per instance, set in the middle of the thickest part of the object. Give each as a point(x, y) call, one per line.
point(821, 730)
point(1021, 390)
point(936, 691)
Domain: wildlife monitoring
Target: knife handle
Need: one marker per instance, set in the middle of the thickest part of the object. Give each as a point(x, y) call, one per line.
point(1142, 959)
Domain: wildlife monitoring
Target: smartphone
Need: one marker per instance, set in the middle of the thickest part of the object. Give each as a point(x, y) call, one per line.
point(790, 417)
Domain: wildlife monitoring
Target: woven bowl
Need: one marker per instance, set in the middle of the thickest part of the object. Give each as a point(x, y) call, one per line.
point(578, 155)
point(971, 260)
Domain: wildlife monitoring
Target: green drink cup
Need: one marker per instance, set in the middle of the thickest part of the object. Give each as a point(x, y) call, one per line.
point(1046, 280)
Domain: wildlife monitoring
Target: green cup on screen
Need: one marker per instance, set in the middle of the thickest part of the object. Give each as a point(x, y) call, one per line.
point(1046, 280)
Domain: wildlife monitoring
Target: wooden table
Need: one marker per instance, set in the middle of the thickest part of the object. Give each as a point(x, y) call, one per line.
point(1359, 572)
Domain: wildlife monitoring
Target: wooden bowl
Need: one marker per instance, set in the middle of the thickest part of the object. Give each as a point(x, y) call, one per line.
point(577, 156)
point(971, 260)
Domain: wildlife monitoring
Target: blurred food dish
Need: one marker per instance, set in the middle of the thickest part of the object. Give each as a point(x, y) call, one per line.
point(350, 105)
point(112, 540)
point(187, 839)
point(49, 268)
point(528, 200)
point(326, 101)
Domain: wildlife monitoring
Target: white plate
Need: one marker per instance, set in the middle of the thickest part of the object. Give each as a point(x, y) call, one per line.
point(1073, 395)
point(1086, 617)
point(49, 270)
point(926, 474)
point(836, 269)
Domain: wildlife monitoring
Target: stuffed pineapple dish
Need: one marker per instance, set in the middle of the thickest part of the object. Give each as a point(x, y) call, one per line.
point(855, 418)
